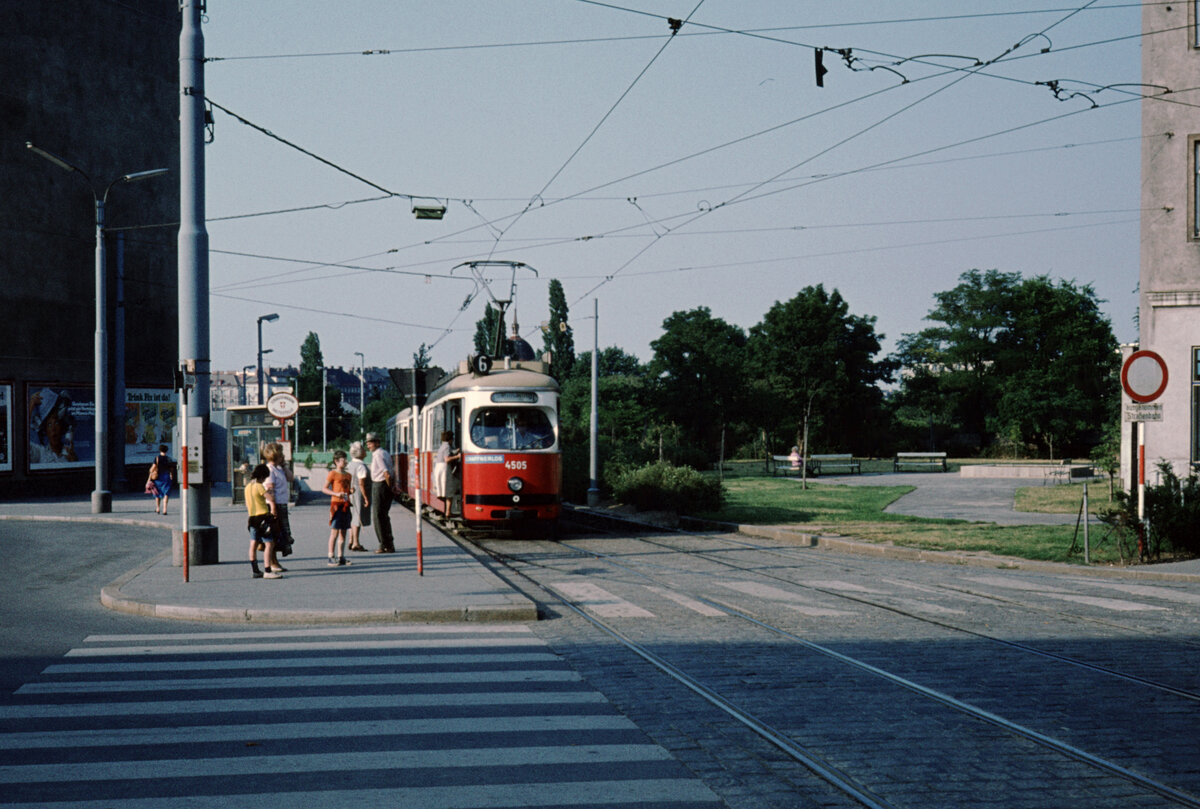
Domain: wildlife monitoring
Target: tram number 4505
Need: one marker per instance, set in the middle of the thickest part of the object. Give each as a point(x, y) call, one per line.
point(516, 464)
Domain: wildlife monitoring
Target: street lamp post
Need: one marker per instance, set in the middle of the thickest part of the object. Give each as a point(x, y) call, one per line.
point(246, 382)
point(101, 496)
point(593, 492)
point(362, 398)
point(268, 318)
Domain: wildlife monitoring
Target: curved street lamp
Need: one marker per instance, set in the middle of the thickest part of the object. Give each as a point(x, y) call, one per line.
point(362, 401)
point(101, 496)
point(268, 318)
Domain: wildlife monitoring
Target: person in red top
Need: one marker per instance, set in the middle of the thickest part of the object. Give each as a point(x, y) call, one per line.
point(337, 486)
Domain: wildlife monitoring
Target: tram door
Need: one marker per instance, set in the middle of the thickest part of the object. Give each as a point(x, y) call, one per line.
point(448, 417)
point(454, 470)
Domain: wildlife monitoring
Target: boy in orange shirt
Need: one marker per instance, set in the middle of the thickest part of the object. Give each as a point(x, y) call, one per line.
point(337, 486)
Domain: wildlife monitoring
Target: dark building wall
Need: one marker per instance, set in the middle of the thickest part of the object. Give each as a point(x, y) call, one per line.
point(95, 83)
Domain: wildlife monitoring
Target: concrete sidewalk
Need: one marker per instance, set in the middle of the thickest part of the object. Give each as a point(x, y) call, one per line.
point(454, 585)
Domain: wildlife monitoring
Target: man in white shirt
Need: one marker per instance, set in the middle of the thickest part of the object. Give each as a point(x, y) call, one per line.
point(382, 485)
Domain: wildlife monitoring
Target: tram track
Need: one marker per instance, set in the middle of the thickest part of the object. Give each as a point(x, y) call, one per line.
point(806, 556)
point(858, 599)
point(521, 565)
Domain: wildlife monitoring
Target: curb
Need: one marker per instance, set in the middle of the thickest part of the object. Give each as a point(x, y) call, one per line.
point(519, 610)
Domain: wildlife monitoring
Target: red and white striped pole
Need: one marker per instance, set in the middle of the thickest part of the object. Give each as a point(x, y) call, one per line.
point(183, 482)
point(416, 464)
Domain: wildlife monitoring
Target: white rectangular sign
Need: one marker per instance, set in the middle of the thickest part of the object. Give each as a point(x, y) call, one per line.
point(1142, 412)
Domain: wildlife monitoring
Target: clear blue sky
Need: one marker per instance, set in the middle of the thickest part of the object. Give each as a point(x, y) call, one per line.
point(652, 172)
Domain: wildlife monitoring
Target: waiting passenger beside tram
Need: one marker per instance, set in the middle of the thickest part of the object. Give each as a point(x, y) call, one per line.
point(441, 468)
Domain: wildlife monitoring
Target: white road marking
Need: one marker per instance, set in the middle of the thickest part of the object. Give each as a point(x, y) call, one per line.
point(816, 612)
point(335, 632)
point(842, 587)
point(1118, 605)
point(493, 796)
point(203, 734)
point(356, 662)
point(1150, 591)
point(298, 646)
point(599, 601)
point(277, 704)
point(274, 681)
point(690, 603)
point(225, 767)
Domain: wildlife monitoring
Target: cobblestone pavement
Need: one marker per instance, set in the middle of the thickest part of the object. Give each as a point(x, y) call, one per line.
point(1105, 667)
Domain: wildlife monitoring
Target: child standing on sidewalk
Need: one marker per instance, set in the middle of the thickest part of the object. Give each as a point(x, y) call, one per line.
point(261, 524)
point(337, 486)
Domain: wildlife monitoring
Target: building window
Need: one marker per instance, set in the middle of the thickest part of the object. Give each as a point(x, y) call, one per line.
point(1194, 182)
point(1195, 405)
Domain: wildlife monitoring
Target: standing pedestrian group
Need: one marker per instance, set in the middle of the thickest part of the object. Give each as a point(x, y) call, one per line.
point(359, 495)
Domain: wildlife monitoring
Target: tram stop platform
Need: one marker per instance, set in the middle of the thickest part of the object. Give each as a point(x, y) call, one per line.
point(452, 586)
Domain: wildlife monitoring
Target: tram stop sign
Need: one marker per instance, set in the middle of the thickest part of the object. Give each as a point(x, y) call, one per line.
point(1144, 376)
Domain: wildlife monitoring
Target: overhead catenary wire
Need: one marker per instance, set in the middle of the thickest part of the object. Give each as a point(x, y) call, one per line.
point(646, 195)
point(713, 31)
point(745, 195)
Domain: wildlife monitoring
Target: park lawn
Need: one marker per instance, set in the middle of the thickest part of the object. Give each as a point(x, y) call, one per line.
point(1064, 498)
point(857, 512)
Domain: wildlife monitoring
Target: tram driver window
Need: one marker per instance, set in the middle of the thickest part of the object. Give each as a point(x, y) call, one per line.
point(511, 428)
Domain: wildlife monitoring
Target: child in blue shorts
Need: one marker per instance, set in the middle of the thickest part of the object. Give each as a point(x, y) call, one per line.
point(337, 486)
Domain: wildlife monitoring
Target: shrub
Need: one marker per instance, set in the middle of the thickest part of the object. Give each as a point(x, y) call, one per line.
point(1173, 511)
point(663, 487)
point(1172, 514)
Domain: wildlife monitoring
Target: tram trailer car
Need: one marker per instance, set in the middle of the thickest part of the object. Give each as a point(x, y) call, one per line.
point(398, 433)
point(504, 421)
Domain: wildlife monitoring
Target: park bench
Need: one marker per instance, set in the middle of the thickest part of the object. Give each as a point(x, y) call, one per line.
point(827, 463)
point(1059, 472)
point(783, 466)
point(922, 459)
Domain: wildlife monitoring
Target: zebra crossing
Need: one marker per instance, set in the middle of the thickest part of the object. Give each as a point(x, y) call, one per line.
point(414, 716)
point(646, 601)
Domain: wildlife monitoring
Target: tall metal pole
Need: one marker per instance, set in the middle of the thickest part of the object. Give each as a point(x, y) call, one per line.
point(101, 496)
point(269, 319)
point(260, 375)
point(362, 392)
point(118, 391)
point(593, 493)
point(193, 264)
point(324, 420)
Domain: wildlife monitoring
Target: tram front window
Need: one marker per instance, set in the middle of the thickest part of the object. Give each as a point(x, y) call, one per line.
point(511, 428)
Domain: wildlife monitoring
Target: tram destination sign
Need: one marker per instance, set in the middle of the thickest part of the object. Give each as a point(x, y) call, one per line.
point(1133, 411)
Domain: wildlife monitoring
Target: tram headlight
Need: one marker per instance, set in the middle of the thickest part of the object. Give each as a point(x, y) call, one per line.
point(515, 484)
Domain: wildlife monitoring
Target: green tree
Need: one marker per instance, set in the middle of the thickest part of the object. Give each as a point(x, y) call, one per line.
point(624, 437)
point(699, 367)
point(813, 365)
point(1015, 365)
point(309, 385)
point(421, 358)
point(489, 330)
point(376, 416)
point(558, 338)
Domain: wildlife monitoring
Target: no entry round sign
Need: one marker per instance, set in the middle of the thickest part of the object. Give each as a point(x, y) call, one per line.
point(1144, 376)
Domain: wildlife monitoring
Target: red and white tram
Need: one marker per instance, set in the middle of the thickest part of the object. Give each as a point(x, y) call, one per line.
point(503, 420)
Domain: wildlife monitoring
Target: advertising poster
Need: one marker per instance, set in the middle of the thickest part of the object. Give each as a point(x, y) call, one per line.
point(150, 415)
point(6, 410)
point(62, 429)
